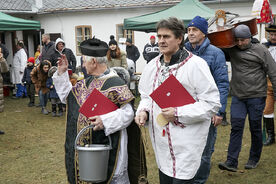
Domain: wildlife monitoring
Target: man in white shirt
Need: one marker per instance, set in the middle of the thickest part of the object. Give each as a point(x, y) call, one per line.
point(178, 146)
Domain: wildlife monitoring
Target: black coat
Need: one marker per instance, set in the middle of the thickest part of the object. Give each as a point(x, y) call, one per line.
point(69, 55)
point(132, 53)
point(47, 51)
point(5, 51)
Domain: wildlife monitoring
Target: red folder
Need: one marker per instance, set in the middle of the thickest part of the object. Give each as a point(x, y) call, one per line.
point(171, 93)
point(97, 104)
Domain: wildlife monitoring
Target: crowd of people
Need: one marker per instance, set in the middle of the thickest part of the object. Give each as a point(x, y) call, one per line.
point(185, 140)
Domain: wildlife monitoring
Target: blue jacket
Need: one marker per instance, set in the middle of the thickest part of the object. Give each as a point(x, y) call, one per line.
point(215, 58)
point(53, 92)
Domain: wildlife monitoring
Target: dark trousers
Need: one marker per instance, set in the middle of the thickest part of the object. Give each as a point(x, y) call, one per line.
point(136, 154)
point(31, 92)
point(239, 109)
point(164, 179)
point(56, 102)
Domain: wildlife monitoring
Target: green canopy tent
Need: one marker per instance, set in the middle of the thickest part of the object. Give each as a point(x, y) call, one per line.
point(10, 23)
point(186, 10)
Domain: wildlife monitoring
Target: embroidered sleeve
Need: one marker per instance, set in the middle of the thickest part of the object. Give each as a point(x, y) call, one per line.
point(120, 95)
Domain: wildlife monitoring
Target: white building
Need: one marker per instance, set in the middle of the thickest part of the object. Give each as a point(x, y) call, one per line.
point(75, 20)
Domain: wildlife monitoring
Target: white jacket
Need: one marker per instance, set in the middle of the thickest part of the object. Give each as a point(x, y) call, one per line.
point(18, 65)
point(182, 159)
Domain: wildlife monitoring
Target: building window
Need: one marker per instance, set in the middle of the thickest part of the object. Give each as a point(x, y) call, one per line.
point(82, 33)
point(122, 33)
point(54, 36)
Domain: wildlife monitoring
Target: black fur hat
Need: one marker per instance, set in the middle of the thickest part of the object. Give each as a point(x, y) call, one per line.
point(94, 47)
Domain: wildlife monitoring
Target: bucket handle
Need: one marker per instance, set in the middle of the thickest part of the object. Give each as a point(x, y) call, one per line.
point(81, 132)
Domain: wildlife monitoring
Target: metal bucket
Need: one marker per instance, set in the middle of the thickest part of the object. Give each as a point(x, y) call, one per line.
point(93, 159)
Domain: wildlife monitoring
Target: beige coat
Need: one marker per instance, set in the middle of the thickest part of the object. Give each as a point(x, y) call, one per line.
point(119, 62)
point(3, 68)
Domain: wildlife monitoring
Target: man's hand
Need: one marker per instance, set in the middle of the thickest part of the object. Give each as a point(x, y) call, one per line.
point(216, 120)
point(62, 64)
point(1, 54)
point(97, 122)
point(141, 118)
point(169, 114)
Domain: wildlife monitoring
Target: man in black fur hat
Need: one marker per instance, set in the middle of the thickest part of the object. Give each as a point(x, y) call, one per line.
point(269, 104)
point(114, 123)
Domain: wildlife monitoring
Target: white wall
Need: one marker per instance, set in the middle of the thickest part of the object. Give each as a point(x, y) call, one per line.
point(104, 22)
point(19, 35)
point(31, 48)
point(103, 25)
point(8, 44)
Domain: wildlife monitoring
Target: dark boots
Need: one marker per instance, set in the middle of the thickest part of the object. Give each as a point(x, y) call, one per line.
point(54, 110)
point(60, 109)
point(269, 124)
point(224, 121)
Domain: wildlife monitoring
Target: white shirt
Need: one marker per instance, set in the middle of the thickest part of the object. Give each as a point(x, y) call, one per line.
point(272, 50)
point(182, 159)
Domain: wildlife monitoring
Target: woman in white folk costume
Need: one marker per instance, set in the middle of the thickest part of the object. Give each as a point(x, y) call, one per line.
point(114, 123)
point(178, 146)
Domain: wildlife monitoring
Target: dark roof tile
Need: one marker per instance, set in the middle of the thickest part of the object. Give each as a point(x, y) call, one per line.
point(16, 5)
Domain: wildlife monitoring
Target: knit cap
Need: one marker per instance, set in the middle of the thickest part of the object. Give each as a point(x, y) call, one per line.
point(242, 31)
point(199, 23)
point(112, 41)
point(31, 59)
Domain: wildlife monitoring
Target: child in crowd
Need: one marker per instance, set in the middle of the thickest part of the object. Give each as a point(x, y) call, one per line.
point(55, 101)
point(26, 80)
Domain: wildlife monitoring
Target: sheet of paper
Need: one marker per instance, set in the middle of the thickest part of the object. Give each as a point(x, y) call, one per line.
point(97, 104)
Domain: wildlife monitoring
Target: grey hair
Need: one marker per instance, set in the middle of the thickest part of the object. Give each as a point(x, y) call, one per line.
point(46, 35)
point(100, 60)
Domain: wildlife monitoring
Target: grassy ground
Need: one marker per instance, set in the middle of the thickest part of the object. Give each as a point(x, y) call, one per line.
point(31, 151)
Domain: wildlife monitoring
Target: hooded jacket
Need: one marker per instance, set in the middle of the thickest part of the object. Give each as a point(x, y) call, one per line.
point(69, 55)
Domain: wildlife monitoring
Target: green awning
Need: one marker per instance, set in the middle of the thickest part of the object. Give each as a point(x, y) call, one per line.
point(10, 23)
point(185, 10)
